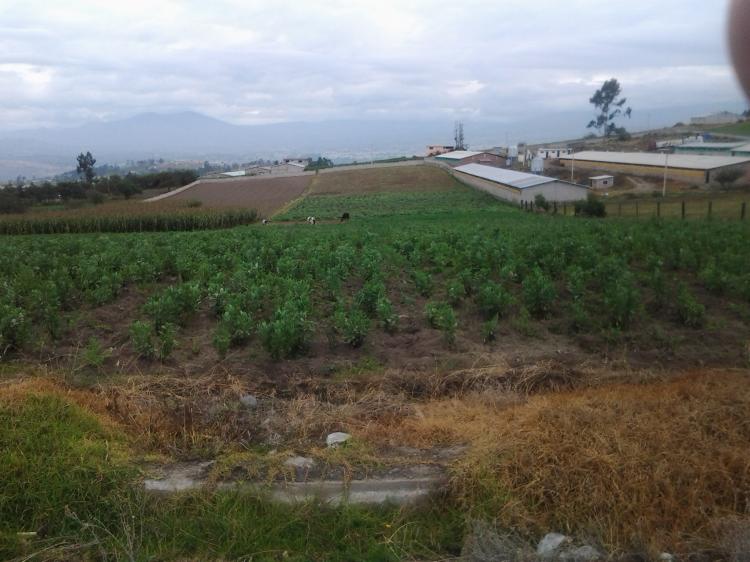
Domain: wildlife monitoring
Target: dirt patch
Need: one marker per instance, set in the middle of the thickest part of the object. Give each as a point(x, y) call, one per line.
point(265, 195)
point(379, 180)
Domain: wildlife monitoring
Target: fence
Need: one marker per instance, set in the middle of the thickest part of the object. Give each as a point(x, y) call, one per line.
point(686, 209)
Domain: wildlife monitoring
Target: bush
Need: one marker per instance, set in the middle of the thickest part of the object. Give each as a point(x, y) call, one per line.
point(353, 326)
point(690, 311)
point(12, 203)
point(489, 329)
point(368, 296)
point(15, 328)
point(540, 202)
point(493, 299)
point(455, 291)
point(141, 336)
point(423, 282)
point(538, 293)
point(167, 340)
point(287, 333)
point(442, 317)
point(386, 315)
point(727, 177)
point(591, 207)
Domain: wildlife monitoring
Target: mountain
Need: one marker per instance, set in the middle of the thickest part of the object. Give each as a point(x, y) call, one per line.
point(190, 135)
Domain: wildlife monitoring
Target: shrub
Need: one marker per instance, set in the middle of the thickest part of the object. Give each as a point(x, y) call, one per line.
point(222, 340)
point(353, 326)
point(94, 355)
point(386, 315)
point(237, 323)
point(591, 207)
point(538, 293)
point(727, 177)
point(174, 305)
point(489, 329)
point(368, 296)
point(493, 299)
point(690, 311)
point(141, 336)
point(423, 282)
point(442, 317)
point(621, 300)
point(287, 333)
point(167, 340)
point(15, 328)
point(455, 291)
point(540, 202)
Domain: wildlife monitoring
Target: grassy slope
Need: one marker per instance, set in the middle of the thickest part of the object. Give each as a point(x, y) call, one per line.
point(742, 129)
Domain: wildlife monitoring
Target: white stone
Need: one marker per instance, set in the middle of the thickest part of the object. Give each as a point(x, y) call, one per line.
point(249, 401)
point(584, 553)
point(550, 543)
point(304, 463)
point(666, 557)
point(337, 438)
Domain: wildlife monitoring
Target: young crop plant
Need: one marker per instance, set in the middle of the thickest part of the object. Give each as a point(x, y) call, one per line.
point(690, 312)
point(493, 300)
point(423, 282)
point(489, 329)
point(368, 296)
point(142, 338)
point(15, 329)
point(167, 338)
point(442, 317)
point(287, 332)
point(174, 305)
point(539, 293)
point(353, 326)
point(386, 315)
point(455, 292)
point(94, 355)
point(237, 323)
point(622, 300)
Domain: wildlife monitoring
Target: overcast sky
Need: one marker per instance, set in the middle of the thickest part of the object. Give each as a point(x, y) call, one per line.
point(247, 61)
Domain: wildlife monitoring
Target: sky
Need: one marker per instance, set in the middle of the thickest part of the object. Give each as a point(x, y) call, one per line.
point(250, 62)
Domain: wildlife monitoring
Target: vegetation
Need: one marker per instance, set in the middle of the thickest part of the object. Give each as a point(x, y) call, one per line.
point(319, 164)
point(609, 106)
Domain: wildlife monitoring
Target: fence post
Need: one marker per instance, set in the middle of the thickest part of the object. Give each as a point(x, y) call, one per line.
point(658, 209)
point(636, 209)
point(710, 208)
point(683, 210)
point(619, 210)
point(565, 209)
point(742, 211)
point(554, 207)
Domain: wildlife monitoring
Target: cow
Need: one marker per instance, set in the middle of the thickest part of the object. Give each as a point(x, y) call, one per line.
point(344, 217)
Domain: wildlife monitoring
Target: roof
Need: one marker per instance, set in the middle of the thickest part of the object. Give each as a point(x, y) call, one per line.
point(459, 154)
point(234, 174)
point(512, 178)
point(688, 161)
point(742, 148)
point(711, 145)
point(601, 177)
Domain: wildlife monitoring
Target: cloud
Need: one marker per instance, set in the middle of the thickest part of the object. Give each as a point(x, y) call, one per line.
point(260, 62)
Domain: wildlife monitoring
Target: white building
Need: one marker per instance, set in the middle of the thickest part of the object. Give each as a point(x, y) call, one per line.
point(546, 153)
point(518, 186)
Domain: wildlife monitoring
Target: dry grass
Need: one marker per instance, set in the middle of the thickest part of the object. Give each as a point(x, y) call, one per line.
point(379, 180)
point(654, 465)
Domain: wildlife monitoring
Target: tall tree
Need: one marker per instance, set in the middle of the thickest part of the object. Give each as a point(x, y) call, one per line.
point(458, 136)
point(86, 166)
point(609, 105)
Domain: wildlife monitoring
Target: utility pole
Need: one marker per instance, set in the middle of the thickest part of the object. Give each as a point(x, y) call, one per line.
point(664, 186)
point(572, 165)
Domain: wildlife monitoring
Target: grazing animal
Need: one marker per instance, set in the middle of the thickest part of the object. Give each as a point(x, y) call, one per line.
point(311, 220)
point(344, 217)
point(266, 221)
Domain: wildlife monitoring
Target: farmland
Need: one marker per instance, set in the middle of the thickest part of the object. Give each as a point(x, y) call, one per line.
point(555, 357)
point(264, 195)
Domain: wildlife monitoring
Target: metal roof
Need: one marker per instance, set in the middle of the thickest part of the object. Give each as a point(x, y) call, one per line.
point(512, 178)
point(742, 148)
point(688, 161)
point(711, 145)
point(458, 154)
point(234, 174)
point(600, 177)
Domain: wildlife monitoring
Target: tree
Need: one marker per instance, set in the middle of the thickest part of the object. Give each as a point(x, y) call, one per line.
point(86, 166)
point(458, 136)
point(609, 105)
point(727, 177)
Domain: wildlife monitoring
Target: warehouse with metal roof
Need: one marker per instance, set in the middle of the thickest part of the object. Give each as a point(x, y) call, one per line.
point(682, 167)
point(518, 186)
point(461, 157)
point(715, 148)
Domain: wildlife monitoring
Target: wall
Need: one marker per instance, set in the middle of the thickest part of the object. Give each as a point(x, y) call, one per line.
point(681, 174)
point(553, 191)
point(483, 158)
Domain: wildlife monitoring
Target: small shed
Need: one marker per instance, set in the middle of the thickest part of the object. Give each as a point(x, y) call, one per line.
point(601, 182)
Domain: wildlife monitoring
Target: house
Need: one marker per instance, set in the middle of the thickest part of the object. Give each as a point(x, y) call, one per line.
point(461, 157)
point(436, 149)
point(554, 152)
point(601, 182)
point(721, 118)
point(518, 186)
point(682, 167)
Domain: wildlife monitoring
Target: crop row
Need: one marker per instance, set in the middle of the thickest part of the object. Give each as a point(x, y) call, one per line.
point(282, 285)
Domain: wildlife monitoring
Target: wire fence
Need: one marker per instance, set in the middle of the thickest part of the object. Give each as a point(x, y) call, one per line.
point(720, 208)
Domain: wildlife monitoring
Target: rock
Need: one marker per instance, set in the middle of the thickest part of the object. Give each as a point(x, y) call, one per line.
point(303, 463)
point(249, 401)
point(666, 557)
point(337, 438)
point(584, 553)
point(550, 544)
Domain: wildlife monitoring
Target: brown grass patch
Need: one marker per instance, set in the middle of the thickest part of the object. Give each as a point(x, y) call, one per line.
point(632, 465)
point(379, 180)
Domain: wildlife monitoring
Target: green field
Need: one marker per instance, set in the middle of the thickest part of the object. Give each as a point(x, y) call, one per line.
point(741, 129)
point(366, 323)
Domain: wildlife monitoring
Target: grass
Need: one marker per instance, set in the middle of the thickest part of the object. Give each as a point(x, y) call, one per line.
point(69, 478)
point(656, 466)
point(741, 129)
point(727, 205)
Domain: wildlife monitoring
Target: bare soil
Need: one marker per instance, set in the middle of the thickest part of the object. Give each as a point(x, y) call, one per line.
point(265, 195)
point(386, 179)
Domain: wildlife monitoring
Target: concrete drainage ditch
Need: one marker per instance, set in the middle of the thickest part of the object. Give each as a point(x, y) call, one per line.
point(402, 485)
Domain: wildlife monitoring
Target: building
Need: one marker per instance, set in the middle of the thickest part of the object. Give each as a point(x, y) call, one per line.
point(742, 151)
point(721, 118)
point(682, 167)
point(601, 182)
point(436, 149)
point(716, 148)
point(462, 157)
point(678, 142)
point(556, 152)
point(518, 186)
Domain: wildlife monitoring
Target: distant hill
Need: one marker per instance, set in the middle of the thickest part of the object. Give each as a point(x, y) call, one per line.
point(190, 135)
